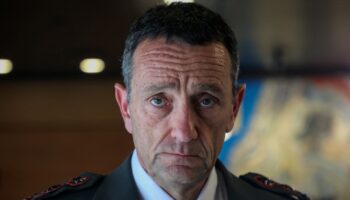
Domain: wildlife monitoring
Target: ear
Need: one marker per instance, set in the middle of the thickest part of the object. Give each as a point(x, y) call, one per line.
point(239, 94)
point(121, 98)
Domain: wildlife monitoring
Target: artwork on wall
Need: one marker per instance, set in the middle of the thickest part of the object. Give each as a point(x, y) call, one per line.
point(296, 131)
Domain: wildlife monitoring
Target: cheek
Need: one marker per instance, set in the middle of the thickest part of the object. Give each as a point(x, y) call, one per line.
point(215, 134)
point(217, 137)
point(216, 124)
point(154, 114)
point(219, 141)
point(149, 128)
point(145, 117)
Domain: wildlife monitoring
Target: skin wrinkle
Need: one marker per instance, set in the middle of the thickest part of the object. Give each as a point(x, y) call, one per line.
point(189, 63)
point(167, 69)
point(179, 49)
point(174, 148)
point(201, 87)
point(178, 142)
point(175, 71)
point(162, 55)
point(184, 55)
point(184, 60)
point(174, 77)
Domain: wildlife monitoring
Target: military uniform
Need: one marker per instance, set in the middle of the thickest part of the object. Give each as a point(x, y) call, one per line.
point(120, 184)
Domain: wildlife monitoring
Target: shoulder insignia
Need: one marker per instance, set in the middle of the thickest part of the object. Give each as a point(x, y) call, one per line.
point(263, 182)
point(77, 183)
point(49, 190)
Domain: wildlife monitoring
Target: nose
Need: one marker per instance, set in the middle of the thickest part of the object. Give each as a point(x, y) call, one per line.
point(183, 124)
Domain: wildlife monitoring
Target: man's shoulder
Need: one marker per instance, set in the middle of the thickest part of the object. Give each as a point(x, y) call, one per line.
point(256, 186)
point(263, 183)
point(119, 183)
point(80, 187)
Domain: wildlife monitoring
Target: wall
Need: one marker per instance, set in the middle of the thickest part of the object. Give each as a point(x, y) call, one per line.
point(53, 130)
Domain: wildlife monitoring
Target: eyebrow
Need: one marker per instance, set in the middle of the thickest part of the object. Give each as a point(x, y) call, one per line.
point(154, 88)
point(159, 87)
point(213, 88)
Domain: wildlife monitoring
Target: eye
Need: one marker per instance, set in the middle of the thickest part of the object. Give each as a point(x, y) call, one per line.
point(157, 101)
point(207, 102)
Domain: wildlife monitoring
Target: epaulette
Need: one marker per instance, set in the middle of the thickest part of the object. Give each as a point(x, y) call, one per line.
point(81, 182)
point(262, 182)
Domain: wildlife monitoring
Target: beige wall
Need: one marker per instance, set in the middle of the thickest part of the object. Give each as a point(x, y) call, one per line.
point(53, 130)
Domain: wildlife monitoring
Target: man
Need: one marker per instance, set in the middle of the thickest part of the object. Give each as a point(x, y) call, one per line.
point(181, 96)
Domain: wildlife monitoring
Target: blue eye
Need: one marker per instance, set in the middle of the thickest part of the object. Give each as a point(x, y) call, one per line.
point(157, 102)
point(206, 102)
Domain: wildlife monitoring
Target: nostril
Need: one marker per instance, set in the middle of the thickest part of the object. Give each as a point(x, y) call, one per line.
point(184, 134)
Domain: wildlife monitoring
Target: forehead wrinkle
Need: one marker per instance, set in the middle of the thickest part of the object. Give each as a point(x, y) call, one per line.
point(184, 59)
point(183, 48)
point(170, 73)
point(189, 63)
point(157, 59)
point(178, 54)
point(181, 54)
point(160, 86)
point(210, 80)
point(168, 79)
point(153, 70)
point(172, 79)
point(162, 49)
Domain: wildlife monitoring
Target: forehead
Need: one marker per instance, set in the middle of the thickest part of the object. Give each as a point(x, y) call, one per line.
point(169, 61)
point(161, 46)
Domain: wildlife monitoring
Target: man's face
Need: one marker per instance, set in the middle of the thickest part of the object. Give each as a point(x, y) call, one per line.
point(180, 108)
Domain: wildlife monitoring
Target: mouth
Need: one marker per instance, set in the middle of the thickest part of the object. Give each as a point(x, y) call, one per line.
point(182, 155)
point(181, 160)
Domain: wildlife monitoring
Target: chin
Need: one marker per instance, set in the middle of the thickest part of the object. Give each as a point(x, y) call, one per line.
point(183, 174)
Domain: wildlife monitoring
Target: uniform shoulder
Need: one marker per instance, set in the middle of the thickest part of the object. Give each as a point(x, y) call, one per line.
point(86, 181)
point(262, 182)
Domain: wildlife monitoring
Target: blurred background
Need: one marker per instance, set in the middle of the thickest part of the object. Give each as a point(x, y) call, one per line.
point(59, 61)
